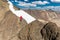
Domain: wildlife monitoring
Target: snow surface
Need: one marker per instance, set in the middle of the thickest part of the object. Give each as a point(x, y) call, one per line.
point(28, 18)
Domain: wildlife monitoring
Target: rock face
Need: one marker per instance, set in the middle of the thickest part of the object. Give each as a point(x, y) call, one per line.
point(50, 31)
point(13, 29)
point(31, 32)
point(38, 31)
point(10, 26)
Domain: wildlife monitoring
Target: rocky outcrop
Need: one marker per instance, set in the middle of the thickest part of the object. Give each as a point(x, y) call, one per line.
point(50, 31)
point(38, 31)
point(30, 32)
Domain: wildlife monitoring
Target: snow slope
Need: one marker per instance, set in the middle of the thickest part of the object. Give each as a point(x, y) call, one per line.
point(28, 18)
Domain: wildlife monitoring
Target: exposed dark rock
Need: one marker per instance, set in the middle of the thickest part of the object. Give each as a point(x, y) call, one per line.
point(49, 31)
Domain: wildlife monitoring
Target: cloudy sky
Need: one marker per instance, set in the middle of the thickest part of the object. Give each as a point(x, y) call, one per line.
point(36, 4)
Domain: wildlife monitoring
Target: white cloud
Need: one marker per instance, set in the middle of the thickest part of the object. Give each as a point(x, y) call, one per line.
point(26, 4)
point(55, 8)
point(40, 2)
point(55, 0)
point(25, 0)
point(33, 4)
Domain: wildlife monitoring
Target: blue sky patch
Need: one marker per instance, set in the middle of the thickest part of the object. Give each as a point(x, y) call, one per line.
point(36, 4)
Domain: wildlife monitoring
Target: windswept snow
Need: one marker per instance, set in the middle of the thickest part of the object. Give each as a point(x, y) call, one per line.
point(28, 18)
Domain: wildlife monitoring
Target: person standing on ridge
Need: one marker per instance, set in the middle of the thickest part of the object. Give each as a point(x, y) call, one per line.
point(21, 18)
